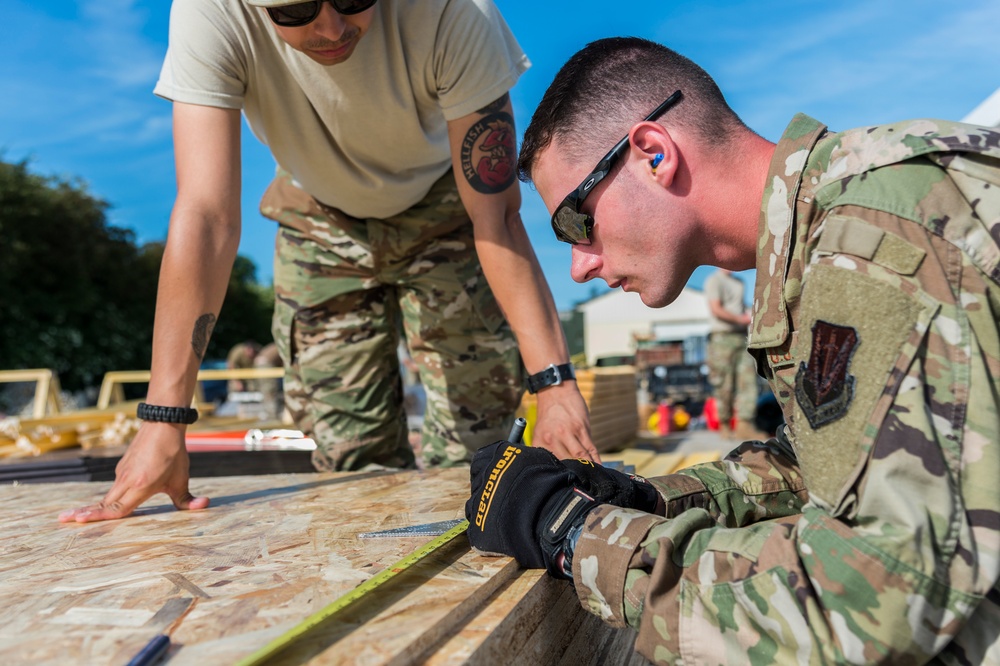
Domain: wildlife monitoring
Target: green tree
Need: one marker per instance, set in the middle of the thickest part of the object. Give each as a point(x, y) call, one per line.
point(77, 295)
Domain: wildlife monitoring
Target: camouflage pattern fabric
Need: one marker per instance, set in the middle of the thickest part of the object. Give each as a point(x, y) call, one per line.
point(733, 376)
point(876, 321)
point(344, 290)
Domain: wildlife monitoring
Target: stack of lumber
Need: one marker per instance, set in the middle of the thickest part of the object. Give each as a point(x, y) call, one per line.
point(651, 463)
point(614, 409)
point(85, 428)
point(610, 394)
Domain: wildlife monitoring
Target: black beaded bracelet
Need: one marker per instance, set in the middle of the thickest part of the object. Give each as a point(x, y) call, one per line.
point(185, 415)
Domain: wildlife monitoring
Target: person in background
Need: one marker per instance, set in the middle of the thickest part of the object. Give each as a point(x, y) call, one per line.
point(242, 357)
point(730, 368)
point(272, 398)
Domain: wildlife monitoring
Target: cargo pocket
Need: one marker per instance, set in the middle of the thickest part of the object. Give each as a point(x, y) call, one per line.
point(748, 609)
point(857, 337)
point(759, 619)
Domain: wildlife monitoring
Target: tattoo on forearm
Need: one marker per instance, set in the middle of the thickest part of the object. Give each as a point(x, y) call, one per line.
point(489, 151)
point(494, 106)
point(201, 334)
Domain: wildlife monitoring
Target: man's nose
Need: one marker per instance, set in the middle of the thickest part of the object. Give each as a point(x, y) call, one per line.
point(330, 23)
point(585, 263)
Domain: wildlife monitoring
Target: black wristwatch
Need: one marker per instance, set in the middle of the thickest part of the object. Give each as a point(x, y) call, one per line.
point(184, 415)
point(554, 375)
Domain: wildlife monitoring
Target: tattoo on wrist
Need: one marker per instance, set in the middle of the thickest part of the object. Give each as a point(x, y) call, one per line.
point(489, 151)
point(201, 334)
point(494, 106)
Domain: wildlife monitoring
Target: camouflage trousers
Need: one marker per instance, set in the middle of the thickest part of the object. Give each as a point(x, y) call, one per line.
point(733, 376)
point(347, 288)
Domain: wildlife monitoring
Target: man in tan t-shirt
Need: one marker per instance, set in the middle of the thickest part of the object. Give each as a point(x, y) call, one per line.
point(397, 202)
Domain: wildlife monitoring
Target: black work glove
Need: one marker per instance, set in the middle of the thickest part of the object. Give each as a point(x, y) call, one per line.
point(609, 486)
point(523, 504)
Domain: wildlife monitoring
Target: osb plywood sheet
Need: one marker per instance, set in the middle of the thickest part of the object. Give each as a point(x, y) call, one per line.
point(271, 551)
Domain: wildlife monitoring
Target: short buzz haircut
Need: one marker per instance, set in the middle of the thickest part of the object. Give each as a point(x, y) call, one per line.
point(610, 85)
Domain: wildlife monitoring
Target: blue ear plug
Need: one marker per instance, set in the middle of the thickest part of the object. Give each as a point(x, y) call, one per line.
point(656, 160)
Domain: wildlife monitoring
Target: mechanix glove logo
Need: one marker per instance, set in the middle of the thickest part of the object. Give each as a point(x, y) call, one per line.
point(823, 387)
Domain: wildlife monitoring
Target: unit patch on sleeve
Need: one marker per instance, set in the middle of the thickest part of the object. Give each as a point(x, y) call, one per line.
point(823, 387)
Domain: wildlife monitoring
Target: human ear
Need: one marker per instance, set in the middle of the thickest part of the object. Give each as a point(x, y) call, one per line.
point(654, 150)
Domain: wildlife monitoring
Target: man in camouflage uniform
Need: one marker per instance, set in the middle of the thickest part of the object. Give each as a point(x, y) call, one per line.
point(869, 529)
point(398, 207)
point(241, 357)
point(730, 368)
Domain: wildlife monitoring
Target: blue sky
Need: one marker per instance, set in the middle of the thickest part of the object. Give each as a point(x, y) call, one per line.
point(76, 82)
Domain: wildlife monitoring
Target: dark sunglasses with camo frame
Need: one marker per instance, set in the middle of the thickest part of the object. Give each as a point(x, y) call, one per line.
point(569, 224)
point(304, 13)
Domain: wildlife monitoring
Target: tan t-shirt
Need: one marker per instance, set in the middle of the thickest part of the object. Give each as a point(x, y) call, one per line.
point(728, 290)
point(368, 135)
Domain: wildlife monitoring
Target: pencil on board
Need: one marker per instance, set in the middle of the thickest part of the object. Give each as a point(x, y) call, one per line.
point(154, 651)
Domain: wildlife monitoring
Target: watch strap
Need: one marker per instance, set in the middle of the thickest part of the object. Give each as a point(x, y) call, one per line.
point(160, 414)
point(550, 376)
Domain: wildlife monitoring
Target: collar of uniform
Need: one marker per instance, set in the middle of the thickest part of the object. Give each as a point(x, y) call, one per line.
point(777, 212)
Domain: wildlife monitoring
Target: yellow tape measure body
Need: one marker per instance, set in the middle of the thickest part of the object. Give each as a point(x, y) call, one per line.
point(345, 600)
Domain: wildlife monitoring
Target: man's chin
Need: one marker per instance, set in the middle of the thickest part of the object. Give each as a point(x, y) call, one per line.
point(654, 300)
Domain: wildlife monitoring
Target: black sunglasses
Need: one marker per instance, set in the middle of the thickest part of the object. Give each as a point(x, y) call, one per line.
point(572, 226)
point(304, 13)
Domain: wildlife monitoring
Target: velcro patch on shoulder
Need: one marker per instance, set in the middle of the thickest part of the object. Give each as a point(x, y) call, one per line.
point(849, 235)
point(844, 234)
point(852, 334)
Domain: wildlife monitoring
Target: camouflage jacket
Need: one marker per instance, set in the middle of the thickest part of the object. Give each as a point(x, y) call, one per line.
point(869, 530)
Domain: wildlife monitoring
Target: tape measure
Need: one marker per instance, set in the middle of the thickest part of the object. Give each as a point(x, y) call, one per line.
point(426, 529)
point(342, 602)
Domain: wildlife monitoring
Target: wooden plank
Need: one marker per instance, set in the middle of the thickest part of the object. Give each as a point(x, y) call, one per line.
point(639, 458)
point(536, 619)
point(698, 458)
point(271, 551)
point(662, 464)
point(46, 388)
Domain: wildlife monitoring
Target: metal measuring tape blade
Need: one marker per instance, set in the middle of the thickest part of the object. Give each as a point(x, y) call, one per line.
point(289, 637)
point(426, 529)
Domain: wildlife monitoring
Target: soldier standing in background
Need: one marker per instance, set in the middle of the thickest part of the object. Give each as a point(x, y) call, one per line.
point(241, 357)
point(868, 530)
point(272, 397)
point(730, 368)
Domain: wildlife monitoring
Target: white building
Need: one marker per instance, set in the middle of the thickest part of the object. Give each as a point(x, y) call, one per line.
point(987, 113)
point(614, 320)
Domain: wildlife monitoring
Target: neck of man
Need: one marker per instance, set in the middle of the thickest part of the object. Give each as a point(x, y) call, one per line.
point(732, 182)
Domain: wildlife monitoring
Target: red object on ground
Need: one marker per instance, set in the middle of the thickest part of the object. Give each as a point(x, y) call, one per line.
point(216, 441)
point(663, 425)
point(711, 414)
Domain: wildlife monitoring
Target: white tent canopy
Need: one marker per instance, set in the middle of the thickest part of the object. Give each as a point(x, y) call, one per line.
point(987, 113)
